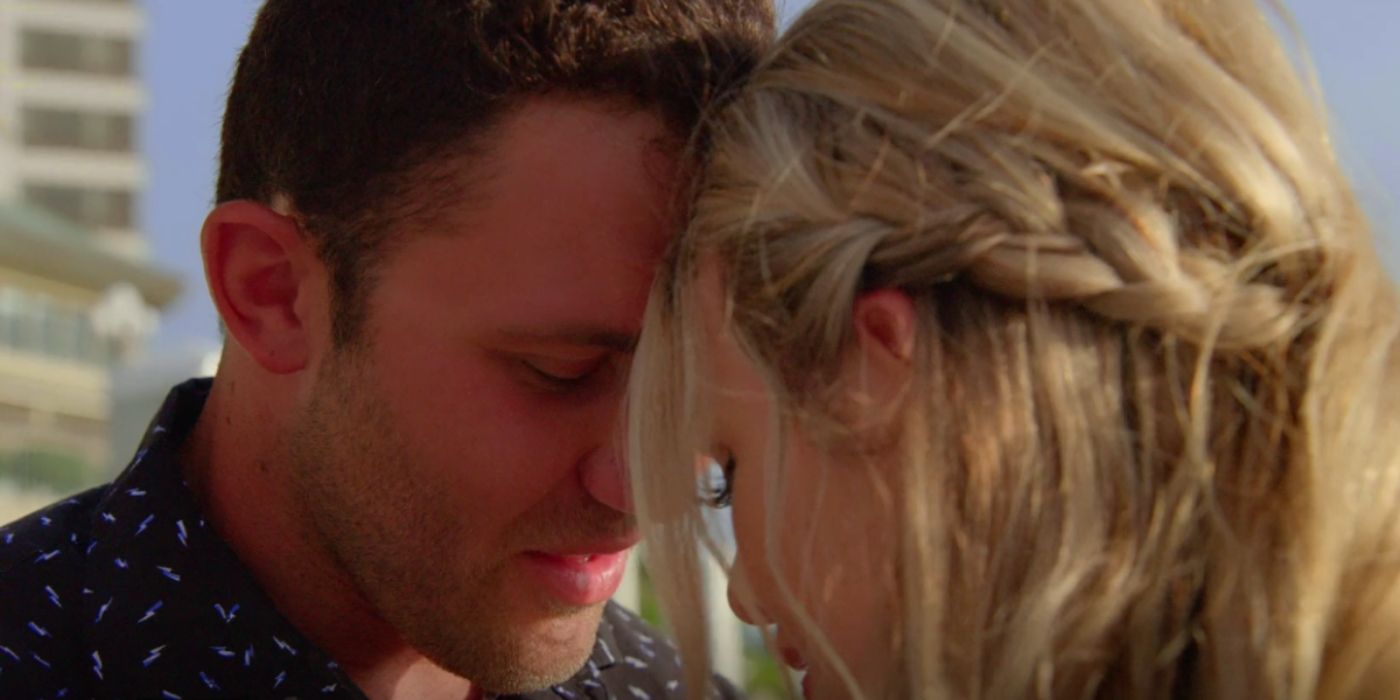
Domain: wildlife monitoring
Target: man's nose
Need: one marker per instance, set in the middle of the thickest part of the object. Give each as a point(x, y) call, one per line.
point(605, 479)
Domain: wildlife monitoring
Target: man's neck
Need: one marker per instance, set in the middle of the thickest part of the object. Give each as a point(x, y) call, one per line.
point(233, 466)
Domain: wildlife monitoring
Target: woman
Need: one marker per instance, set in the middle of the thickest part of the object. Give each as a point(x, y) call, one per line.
point(1046, 353)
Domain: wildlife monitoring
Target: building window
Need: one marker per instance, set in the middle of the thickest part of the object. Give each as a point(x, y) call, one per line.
point(33, 323)
point(86, 207)
point(63, 128)
point(59, 51)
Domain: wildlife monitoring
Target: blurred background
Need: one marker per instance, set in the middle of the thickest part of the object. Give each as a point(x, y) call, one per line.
point(109, 123)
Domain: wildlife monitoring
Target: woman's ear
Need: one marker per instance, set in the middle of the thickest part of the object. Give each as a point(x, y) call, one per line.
point(884, 331)
point(259, 270)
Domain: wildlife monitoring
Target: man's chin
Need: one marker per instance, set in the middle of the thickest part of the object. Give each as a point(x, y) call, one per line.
point(526, 655)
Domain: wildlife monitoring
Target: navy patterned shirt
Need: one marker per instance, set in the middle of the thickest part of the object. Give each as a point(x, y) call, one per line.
point(125, 591)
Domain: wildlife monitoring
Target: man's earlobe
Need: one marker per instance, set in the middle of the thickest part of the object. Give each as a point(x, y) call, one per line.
point(259, 271)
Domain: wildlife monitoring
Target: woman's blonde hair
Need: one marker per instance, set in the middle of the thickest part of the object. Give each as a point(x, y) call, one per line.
point(1151, 446)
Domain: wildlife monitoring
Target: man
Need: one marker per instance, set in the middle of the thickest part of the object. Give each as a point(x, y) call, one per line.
point(436, 229)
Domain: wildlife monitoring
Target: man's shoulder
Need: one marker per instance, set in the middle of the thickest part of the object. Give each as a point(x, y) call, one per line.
point(42, 562)
point(59, 531)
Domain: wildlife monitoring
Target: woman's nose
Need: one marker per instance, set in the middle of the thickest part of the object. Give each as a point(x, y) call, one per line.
point(742, 601)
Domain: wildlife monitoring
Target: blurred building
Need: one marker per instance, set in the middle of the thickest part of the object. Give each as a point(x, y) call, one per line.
point(70, 99)
point(78, 295)
point(140, 386)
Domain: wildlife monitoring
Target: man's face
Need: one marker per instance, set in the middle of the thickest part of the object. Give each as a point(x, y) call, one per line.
point(452, 460)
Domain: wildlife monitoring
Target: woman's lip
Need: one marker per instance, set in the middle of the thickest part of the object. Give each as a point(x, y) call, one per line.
point(580, 579)
point(787, 651)
point(792, 658)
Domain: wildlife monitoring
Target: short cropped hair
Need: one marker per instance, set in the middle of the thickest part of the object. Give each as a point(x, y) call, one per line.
point(341, 106)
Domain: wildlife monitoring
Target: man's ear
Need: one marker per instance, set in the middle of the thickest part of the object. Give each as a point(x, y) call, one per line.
point(884, 330)
point(260, 270)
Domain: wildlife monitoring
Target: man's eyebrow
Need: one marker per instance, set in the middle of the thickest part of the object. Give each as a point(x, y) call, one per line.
point(579, 335)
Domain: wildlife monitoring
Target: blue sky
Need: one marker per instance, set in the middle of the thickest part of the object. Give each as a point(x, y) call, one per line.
point(190, 50)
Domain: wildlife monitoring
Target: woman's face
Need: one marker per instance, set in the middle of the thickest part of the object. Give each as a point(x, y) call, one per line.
point(815, 534)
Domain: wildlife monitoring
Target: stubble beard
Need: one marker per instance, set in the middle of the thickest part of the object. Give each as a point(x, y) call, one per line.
point(390, 534)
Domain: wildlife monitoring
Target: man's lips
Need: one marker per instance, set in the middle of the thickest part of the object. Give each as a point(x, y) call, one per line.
point(581, 575)
point(611, 545)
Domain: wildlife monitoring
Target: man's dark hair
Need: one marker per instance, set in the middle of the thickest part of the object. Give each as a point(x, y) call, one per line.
point(343, 106)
